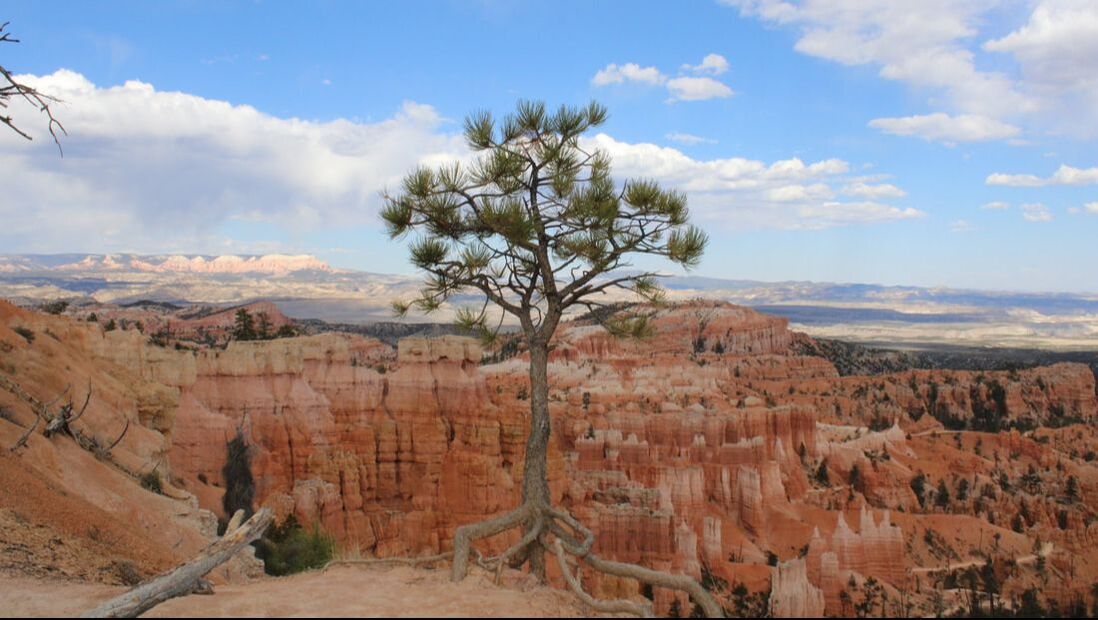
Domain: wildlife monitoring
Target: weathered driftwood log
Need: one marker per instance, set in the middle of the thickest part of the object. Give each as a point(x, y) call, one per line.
point(183, 579)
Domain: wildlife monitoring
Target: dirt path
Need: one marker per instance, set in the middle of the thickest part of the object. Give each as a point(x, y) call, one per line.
point(344, 591)
point(1044, 552)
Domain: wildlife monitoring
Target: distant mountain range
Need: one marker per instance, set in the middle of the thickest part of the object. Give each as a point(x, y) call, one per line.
point(306, 287)
point(277, 264)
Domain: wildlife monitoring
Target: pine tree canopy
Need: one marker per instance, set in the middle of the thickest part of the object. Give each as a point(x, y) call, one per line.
point(535, 223)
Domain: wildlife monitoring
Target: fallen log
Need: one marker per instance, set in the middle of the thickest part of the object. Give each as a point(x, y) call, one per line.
point(183, 579)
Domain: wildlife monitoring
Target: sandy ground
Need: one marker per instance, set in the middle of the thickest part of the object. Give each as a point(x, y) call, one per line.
point(341, 591)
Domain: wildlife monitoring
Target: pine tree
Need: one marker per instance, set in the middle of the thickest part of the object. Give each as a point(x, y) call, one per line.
point(244, 327)
point(536, 227)
point(941, 496)
point(263, 329)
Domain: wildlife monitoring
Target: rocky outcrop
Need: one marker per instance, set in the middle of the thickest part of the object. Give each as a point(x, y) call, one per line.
point(698, 450)
point(876, 550)
point(675, 453)
point(792, 595)
point(64, 511)
point(959, 399)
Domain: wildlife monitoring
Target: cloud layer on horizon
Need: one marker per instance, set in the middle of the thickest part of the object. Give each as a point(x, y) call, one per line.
point(144, 168)
point(154, 171)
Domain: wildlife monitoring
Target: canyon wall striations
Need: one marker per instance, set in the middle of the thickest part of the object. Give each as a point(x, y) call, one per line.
point(708, 448)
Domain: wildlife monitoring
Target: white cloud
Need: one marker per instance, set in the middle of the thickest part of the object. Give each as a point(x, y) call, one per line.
point(933, 46)
point(801, 193)
point(1036, 212)
point(744, 193)
point(1057, 51)
point(145, 168)
point(997, 205)
point(697, 89)
point(629, 72)
point(1014, 180)
point(712, 64)
point(882, 190)
point(941, 127)
point(961, 226)
point(681, 88)
point(1064, 175)
point(688, 138)
point(919, 43)
point(1091, 207)
point(1069, 175)
point(153, 171)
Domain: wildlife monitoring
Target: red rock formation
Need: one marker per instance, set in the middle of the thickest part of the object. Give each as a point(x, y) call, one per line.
point(876, 549)
point(672, 453)
point(690, 449)
point(792, 595)
point(63, 511)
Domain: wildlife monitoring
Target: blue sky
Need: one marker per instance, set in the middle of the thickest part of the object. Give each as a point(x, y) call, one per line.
point(853, 141)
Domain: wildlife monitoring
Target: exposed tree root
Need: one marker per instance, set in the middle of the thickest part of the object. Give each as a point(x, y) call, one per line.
point(466, 534)
point(613, 607)
point(571, 538)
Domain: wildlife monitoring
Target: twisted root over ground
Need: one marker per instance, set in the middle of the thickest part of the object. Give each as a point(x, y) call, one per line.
point(571, 544)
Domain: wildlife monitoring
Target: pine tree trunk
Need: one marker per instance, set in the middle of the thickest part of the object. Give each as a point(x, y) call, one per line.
point(535, 482)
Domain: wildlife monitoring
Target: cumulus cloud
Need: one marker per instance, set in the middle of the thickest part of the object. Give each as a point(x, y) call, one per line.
point(1057, 51)
point(919, 43)
point(941, 127)
point(697, 89)
point(629, 72)
point(866, 190)
point(688, 138)
point(712, 64)
point(681, 88)
point(1091, 207)
point(744, 193)
point(1064, 175)
point(153, 171)
point(932, 46)
point(1036, 212)
point(144, 167)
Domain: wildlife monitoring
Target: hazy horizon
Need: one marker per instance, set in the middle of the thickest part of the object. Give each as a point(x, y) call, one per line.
point(410, 271)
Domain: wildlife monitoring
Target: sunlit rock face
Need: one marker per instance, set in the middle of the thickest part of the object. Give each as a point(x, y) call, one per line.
point(695, 450)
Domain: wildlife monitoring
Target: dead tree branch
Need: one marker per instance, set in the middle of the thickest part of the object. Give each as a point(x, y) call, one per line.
point(183, 579)
point(38, 408)
point(116, 441)
point(11, 88)
point(22, 441)
point(61, 422)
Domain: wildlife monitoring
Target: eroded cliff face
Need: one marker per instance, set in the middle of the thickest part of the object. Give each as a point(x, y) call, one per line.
point(63, 511)
point(708, 448)
point(695, 450)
